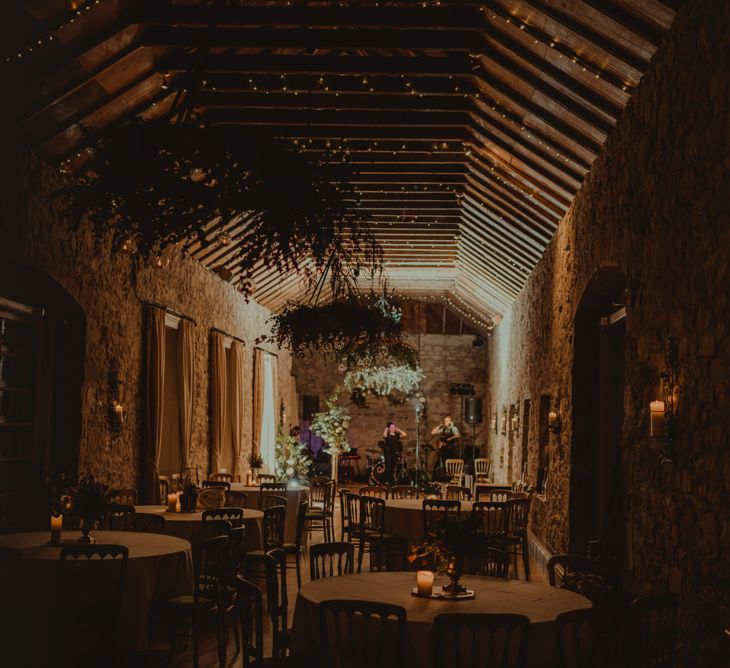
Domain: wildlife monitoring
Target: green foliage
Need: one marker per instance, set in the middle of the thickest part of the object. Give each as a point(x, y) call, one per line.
point(332, 426)
point(292, 457)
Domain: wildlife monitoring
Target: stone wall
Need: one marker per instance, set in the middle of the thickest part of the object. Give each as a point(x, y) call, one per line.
point(444, 359)
point(111, 294)
point(654, 206)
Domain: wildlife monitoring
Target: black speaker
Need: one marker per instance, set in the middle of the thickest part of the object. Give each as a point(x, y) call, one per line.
point(473, 410)
point(310, 406)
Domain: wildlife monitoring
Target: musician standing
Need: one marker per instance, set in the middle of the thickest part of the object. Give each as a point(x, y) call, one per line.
point(448, 436)
point(392, 448)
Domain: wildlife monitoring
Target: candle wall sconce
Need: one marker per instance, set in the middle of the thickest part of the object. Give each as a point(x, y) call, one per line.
point(515, 422)
point(661, 410)
point(117, 412)
point(504, 420)
point(494, 420)
point(555, 422)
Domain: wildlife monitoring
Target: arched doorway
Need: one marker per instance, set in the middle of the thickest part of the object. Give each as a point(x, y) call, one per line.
point(596, 496)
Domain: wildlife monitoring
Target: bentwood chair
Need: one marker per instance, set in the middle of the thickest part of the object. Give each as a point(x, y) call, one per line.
point(436, 511)
point(229, 514)
point(493, 521)
point(465, 640)
point(403, 492)
point(483, 492)
point(381, 545)
point(321, 517)
point(235, 499)
point(455, 471)
point(576, 634)
point(492, 563)
point(653, 631)
point(316, 491)
point(251, 621)
point(275, 488)
point(296, 549)
point(580, 574)
point(381, 642)
point(120, 518)
point(221, 477)
point(92, 579)
point(148, 523)
point(266, 478)
point(350, 516)
point(517, 535)
point(374, 490)
point(217, 483)
point(456, 492)
point(328, 559)
point(482, 470)
point(277, 600)
point(271, 500)
point(164, 484)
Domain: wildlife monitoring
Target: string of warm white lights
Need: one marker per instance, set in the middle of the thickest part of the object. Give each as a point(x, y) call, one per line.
point(443, 299)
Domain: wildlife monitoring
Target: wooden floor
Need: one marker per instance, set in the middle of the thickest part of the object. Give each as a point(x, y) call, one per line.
point(209, 651)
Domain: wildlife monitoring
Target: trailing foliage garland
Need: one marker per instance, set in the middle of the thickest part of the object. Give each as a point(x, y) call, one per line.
point(155, 184)
point(332, 426)
point(384, 381)
point(292, 457)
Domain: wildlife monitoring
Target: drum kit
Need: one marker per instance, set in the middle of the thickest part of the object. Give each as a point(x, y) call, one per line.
point(404, 469)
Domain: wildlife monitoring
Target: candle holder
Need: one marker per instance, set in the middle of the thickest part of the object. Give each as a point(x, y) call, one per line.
point(56, 530)
point(554, 422)
point(661, 411)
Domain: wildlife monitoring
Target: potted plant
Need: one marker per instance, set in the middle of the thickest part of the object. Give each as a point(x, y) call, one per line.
point(256, 462)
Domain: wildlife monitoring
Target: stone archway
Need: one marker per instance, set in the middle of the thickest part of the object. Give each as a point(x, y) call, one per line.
point(596, 497)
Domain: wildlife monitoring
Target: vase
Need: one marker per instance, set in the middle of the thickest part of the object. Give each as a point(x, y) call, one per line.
point(86, 537)
point(454, 571)
point(189, 502)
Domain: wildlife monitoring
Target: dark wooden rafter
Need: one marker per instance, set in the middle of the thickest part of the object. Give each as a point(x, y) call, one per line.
point(466, 127)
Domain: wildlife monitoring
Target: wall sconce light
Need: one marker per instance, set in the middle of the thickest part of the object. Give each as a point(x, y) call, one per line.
point(117, 412)
point(504, 420)
point(494, 420)
point(515, 422)
point(661, 411)
point(554, 422)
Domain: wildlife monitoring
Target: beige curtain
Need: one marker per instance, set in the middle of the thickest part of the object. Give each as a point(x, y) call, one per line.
point(258, 398)
point(154, 400)
point(275, 387)
point(238, 365)
point(185, 388)
point(218, 399)
point(293, 409)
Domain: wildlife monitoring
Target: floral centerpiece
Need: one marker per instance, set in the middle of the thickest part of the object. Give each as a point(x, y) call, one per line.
point(87, 501)
point(292, 457)
point(332, 426)
point(256, 462)
point(450, 541)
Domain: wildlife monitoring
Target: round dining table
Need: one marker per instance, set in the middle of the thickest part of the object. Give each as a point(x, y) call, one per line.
point(294, 496)
point(189, 526)
point(404, 517)
point(159, 567)
point(541, 604)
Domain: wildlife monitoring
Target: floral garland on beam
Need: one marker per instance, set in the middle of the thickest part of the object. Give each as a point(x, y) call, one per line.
point(383, 381)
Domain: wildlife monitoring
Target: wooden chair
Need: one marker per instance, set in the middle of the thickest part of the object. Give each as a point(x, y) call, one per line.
point(317, 491)
point(148, 523)
point(213, 573)
point(482, 492)
point(437, 510)
point(213, 528)
point(575, 639)
point(235, 499)
point(230, 514)
point(92, 579)
point(493, 563)
point(403, 492)
point(321, 517)
point(164, 483)
point(121, 518)
point(455, 471)
point(277, 600)
point(382, 644)
point(381, 545)
point(350, 516)
point(273, 528)
point(583, 575)
point(482, 470)
point(653, 631)
point(126, 496)
point(221, 477)
point(494, 521)
point(251, 620)
point(266, 478)
point(517, 537)
point(271, 500)
point(456, 492)
point(217, 483)
point(275, 488)
point(328, 559)
point(374, 490)
point(296, 549)
point(466, 640)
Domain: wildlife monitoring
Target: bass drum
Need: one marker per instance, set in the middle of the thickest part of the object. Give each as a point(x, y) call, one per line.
point(376, 472)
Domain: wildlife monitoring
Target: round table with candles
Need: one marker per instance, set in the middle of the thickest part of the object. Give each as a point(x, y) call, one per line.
point(159, 567)
point(295, 494)
point(189, 526)
point(541, 604)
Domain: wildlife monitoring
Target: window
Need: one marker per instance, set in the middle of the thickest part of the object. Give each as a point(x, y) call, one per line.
point(268, 413)
point(171, 459)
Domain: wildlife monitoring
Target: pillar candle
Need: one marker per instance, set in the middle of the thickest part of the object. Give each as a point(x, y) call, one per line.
point(656, 424)
point(552, 418)
point(424, 581)
point(173, 502)
point(56, 526)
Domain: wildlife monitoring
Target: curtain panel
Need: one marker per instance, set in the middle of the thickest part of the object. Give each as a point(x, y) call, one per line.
point(258, 399)
point(154, 387)
point(238, 366)
point(218, 399)
point(185, 389)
